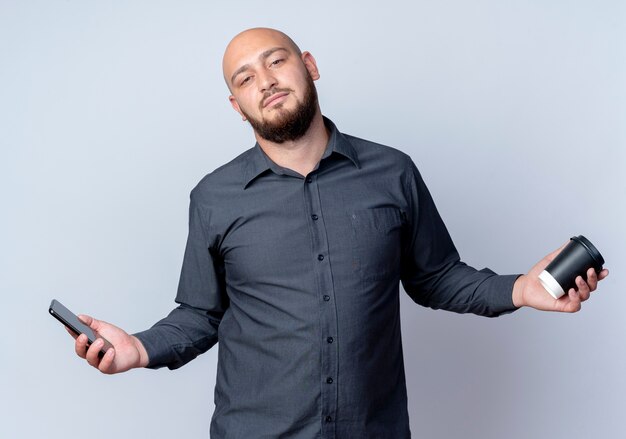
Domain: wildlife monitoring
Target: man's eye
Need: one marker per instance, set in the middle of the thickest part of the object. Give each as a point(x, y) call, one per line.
point(246, 79)
point(278, 61)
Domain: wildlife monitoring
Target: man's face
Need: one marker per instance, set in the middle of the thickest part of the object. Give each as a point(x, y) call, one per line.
point(271, 84)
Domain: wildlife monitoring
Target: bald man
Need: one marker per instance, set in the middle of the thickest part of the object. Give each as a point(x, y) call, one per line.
point(295, 253)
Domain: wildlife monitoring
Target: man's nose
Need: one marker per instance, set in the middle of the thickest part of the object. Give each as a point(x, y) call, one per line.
point(267, 81)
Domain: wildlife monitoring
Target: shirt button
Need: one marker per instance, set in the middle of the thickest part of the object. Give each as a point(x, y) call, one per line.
point(314, 217)
point(329, 339)
point(320, 257)
point(329, 419)
point(329, 380)
point(326, 297)
point(309, 180)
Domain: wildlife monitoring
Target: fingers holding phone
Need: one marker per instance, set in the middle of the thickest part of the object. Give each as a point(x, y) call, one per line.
point(123, 354)
point(92, 352)
point(93, 355)
point(76, 326)
point(105, 346)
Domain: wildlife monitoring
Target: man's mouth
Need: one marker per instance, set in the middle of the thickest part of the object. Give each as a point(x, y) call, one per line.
point(274, 98)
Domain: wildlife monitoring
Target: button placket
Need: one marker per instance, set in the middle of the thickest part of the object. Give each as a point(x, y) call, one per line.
point(328, 313)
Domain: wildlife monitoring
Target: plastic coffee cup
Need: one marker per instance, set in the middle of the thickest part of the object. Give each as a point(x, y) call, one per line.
point(578, 256)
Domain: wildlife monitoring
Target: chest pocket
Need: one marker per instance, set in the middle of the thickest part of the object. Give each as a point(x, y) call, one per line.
point(376, 242)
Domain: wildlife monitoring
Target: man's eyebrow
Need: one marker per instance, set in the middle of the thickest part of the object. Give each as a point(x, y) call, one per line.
point(262, 56)
point(268, 52)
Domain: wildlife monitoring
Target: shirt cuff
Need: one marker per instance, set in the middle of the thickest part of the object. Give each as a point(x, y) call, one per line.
point(159, 353)
point(501, 300)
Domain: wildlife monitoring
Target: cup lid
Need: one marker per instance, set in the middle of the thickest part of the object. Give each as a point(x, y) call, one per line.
point(593, 252)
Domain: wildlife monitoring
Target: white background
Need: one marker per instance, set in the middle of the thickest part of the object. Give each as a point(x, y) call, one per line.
point(111, 111)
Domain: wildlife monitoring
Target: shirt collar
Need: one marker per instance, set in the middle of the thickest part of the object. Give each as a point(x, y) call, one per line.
point(258, 162)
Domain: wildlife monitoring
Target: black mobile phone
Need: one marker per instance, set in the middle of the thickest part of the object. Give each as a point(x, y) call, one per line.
point(69, 319)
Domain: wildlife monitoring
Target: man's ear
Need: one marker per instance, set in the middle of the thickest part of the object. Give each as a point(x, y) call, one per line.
point(311, 65)
point(235, 105)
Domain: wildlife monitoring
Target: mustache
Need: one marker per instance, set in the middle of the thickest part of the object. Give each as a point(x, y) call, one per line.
point(273, 91)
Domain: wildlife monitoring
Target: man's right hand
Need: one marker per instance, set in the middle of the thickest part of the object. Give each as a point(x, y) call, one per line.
point(127, 352)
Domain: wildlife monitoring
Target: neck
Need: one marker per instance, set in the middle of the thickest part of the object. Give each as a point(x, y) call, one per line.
point(300, 155)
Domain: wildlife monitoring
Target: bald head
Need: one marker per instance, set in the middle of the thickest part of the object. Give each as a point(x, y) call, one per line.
point(248, 45)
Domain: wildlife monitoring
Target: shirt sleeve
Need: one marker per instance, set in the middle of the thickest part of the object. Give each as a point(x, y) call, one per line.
point(191, 328)
point(433, 274)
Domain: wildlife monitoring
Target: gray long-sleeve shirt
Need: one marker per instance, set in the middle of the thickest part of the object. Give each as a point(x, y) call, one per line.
point(297, 278)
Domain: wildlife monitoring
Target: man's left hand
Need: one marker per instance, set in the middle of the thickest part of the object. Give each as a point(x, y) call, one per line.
point(528, 290)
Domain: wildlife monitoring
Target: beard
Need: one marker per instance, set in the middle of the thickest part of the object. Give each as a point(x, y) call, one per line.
point(288, 125)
